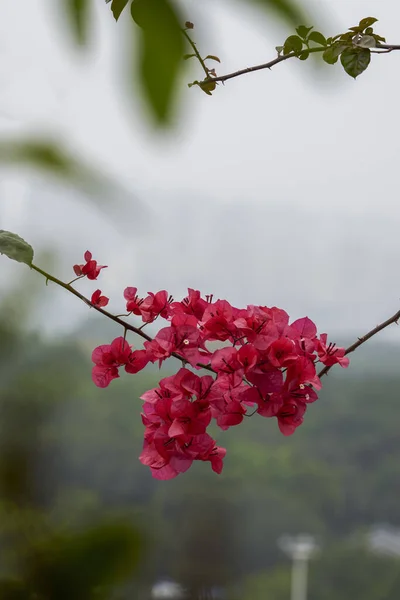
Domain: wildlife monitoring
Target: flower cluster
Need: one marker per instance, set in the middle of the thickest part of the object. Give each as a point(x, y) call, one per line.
point(257, 361)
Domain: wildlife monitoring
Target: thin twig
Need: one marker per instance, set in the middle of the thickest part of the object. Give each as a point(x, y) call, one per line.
point(124, 324)
point(389, 46)
point(127, 326)
point(197, 53)
point(281, 58)
point(267, 65)
point(365, 337)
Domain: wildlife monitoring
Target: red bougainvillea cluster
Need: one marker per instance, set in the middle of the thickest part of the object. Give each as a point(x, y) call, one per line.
point(256, 362)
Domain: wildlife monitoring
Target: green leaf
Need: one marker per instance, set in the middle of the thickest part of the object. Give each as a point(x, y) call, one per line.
point(78, 16)
point(355, 60)
point(117, 7)
point(40, 154)
point(15, 247)
point(292, 44)
point(348, 36)
point(318, 38)
point(59, 163)
point(332, 53)
point(212, 57)
point(279, 49)
point(303, 31)
point(304, 54)
point(208, 87)
point(288, 10)
point(161, 49)
point(356, 29)
point(367, 22)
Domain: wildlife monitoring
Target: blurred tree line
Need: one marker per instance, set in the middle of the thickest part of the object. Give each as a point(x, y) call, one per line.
point(82, 518)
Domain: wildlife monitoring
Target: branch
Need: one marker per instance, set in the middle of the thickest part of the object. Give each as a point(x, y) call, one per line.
point(197, 53)
point(385, 49)
point(124, 324)
point(139, 331)
point(366, 337)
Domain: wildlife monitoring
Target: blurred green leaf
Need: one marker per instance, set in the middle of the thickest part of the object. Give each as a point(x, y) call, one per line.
point(161, 50)
point(355, 60)
point(54, 160)
point(40, 154)
point(79, 14)
point(288, 10)
point(117, 7)
point(13, 246)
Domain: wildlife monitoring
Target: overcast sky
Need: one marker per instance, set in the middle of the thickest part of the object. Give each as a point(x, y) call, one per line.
point(280, 189)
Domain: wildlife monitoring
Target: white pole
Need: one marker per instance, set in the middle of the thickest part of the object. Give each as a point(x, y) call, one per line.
point(299, 577)
point(300, 549)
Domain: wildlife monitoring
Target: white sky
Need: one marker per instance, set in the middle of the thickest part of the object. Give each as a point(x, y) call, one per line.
point(305, 160)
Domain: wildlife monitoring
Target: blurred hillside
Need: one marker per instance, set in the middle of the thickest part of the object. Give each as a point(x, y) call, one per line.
point(70, 455)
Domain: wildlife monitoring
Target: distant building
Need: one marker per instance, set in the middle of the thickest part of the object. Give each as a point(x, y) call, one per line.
point(384, 539)
point(174, 591)
point(167, 590)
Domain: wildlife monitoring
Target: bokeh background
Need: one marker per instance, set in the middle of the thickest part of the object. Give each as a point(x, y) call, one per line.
point(281, 190)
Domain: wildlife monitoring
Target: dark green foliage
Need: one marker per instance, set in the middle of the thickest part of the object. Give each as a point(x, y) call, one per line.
point(163, 39)
point(83, 564)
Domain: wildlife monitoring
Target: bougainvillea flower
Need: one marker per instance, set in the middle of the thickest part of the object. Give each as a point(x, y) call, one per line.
point(133, 302)
point(193, 305)
point(260, 363)
point(98, 300)
point(90, 269)
point(108, 358)
point(290, 416)
point(155, 305)
point(331, 354)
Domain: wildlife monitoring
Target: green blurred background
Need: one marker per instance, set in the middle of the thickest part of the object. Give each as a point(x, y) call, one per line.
point(82, 518)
